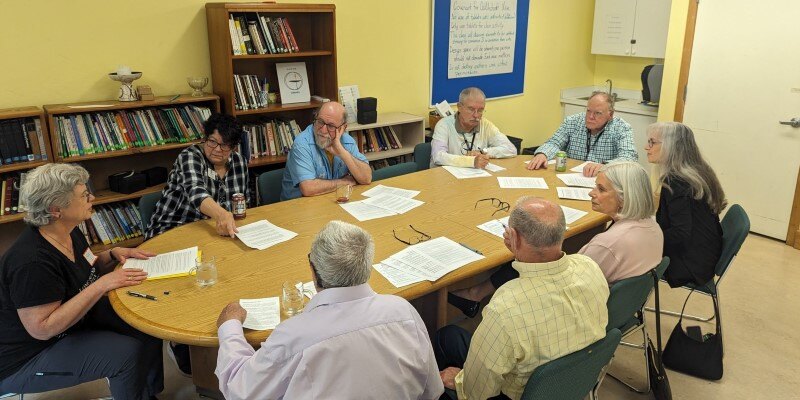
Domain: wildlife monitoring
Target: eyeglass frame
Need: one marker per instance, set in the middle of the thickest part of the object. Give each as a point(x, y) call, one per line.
point(213, 144)
point(420, 239)
point(500, 205)
point(651, 142)
point(328, 127)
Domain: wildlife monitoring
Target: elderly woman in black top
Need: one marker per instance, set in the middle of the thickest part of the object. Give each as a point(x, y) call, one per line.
point(689, 206)
point(203, 179)
point(57, 328)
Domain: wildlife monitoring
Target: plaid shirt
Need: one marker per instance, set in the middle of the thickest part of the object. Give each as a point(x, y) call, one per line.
point(613, 142)
point(191, 181)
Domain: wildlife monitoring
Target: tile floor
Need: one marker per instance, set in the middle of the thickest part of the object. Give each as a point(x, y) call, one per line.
point(760, 320)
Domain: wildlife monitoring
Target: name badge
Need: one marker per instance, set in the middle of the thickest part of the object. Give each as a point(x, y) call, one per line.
point(89, 256)
point(212, 174)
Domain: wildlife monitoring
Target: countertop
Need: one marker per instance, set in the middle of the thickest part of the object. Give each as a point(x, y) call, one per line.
point(631, 103)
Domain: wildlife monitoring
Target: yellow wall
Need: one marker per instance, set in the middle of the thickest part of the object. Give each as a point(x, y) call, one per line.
point(384, 47)
point(625, 72)
point(672, 62)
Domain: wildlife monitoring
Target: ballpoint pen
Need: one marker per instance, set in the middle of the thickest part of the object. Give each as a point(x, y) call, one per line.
point(470, 248)
point(142, 295)
point(174, 98)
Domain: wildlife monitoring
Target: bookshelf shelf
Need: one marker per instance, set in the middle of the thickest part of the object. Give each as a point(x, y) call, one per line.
point(133, 242)
point(11, 218)
point(279, 108)
point(22, 165)
point(126, 152)
point(268, 160)
point(107, 196)
point(301, 54)
point(410, 129)
point(111, 105)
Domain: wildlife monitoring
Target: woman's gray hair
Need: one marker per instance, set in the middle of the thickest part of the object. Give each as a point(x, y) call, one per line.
point(533, 229)
point(342, 255)
point(50, 185)
point(632, 185)
point(681, 159)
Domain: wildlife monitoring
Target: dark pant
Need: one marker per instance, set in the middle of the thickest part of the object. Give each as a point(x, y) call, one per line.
point(104, 347)
point(450, 346)
point(503, 275)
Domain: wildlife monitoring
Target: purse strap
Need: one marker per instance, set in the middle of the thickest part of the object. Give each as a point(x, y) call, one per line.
point(658, 322)
point(716, 311)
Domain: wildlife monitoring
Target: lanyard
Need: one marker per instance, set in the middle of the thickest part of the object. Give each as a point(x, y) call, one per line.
point(468, 144)
point(589, 141)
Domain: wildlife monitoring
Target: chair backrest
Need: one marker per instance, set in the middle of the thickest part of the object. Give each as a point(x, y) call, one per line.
point(517, 142)
point(269, 186)
point(422, 156)
point(147, 205)
point(394, 170)
point(629, 295)
point(573, 376)
point(735, 227)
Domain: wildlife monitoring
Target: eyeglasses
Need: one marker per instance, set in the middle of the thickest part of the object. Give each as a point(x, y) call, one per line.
point(213, 144)
point(86, 195)
point(651, 142)
point(595, 114)
point(497, 203)
point(330, 127)
point(414, 239)
point(471, 110)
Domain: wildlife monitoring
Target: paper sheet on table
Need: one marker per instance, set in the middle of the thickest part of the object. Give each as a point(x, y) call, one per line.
point(579, 168)
point(493, 167)
point(396, 204)
point(365, 212)
point(574, 193)
point(380, 189)
point(518, 182)
point(262, 314)
point(166, 265)
point(577, 180)
point(395, 276)
point(572, 215)
point(495, 226)
point(465, 173)
point(262, 234)
point(308, 289)
point(434, 258)
point(550, 162)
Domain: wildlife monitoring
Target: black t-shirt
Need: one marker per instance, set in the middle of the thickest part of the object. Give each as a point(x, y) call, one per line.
point(33, 272)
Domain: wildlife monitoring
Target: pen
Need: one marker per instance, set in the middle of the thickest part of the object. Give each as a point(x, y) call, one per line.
point(142, 295)
point(470, 248)
point(53, 373)
point(174, 98)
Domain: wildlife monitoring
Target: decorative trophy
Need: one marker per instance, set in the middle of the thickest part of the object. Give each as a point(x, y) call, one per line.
point(125, 76)
point(197, 83)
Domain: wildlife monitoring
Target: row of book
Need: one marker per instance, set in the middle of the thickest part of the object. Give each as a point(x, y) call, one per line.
point(376, 139)
point(112, 223)
point(253, 33)
point(21, 140)
point(99, 132)
point(269, 138)
point(249, 93)
point(9, 196)
point(387, 162)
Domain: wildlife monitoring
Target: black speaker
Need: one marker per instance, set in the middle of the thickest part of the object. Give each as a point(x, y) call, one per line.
point(155, 175)
point(127, 182)
point(367, 104)
point(366, 117)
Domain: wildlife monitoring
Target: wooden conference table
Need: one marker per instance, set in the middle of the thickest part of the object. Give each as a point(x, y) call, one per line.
point(188, 314)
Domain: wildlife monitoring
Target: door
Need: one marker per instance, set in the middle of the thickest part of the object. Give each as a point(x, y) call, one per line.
point(744, 78)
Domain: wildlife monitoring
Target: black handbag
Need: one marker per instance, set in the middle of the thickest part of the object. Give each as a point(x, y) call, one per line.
point(700, 358)
point(659, 384)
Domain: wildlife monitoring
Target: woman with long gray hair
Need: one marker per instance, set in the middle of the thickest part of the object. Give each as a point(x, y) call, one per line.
point(689, 206)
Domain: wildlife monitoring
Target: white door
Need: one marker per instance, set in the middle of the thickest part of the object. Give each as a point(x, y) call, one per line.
point(744, 78)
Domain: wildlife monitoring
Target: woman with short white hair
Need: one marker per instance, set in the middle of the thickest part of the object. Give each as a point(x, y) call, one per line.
point(58, 328)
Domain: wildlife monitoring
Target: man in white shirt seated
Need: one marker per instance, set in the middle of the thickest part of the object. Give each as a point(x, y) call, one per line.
point(466, 139)
point(348, 343)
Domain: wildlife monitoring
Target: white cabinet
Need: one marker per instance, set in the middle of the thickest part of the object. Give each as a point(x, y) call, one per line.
point(635, 28)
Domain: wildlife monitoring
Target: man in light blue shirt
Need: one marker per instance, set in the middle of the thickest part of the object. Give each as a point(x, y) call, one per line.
point(324, 157)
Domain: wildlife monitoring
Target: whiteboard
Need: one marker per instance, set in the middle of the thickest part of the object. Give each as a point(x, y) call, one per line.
point(478, 43)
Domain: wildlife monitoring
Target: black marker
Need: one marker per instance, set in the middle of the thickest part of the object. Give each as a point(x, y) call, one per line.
point(142, 295)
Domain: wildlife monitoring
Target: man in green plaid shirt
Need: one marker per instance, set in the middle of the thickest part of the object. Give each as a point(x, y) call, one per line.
point(597, 137)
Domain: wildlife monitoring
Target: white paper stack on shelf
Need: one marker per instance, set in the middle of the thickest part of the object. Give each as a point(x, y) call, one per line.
point(385, 201)
point(429, 260)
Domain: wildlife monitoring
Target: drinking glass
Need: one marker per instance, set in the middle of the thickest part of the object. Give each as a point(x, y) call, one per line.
point(343, 193)
point(207, 272)
point(292, 300)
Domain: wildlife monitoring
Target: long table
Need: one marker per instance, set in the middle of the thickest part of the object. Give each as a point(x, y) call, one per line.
point(188, 314)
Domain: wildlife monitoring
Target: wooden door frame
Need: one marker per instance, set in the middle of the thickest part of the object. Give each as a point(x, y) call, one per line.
point(793, 235)
point(686, 60)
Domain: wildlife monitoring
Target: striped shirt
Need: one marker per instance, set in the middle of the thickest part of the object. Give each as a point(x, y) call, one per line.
point(613, 143)
point(551, 310)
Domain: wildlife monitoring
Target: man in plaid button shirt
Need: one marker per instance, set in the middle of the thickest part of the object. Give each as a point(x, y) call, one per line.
point(598, 137)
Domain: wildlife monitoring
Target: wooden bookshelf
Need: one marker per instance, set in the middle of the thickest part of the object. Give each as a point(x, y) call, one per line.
point(266, 160)
point(133, 242)
point(410, 129)
point(314, 28)
point(11, 218)
point(107, 196)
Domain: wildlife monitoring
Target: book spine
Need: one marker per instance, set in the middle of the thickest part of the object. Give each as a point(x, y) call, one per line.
point(267, 36)
point(236, 48)
point(240, 35)
point(290, 34)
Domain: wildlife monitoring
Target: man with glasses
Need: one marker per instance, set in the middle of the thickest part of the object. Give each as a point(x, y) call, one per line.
point(324, 157)
point(596, 136)
point(348, 343)
point(203, 179)
point(466, 139)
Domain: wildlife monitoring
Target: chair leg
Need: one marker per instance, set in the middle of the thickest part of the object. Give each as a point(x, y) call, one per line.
point(646, 370)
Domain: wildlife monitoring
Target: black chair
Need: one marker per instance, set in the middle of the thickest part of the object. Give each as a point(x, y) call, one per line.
point(517, 142)
point(269, 187)
point(422, 156)
point(394, 170)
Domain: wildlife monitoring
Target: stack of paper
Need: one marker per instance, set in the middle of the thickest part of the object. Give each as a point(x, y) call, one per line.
point(384, 201)
point(496, 227)
point(307, 288)
point(574, 193)
point(380, 189)
point(262, 234)
point(262, 314)
point(426, 261)
point(550, 162)
point(577, 180)
point(166, 265)
point(513, 182)
point(465, 173)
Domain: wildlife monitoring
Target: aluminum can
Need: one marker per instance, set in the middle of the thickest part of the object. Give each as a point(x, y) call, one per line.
point(239, 206)
point(561, 161)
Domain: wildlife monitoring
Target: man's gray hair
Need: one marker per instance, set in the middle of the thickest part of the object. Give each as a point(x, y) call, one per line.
point(605, 97)
point(50, 185)
point(469, 93)
point(535, 231)
point(342, 255)
point(632, 185)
